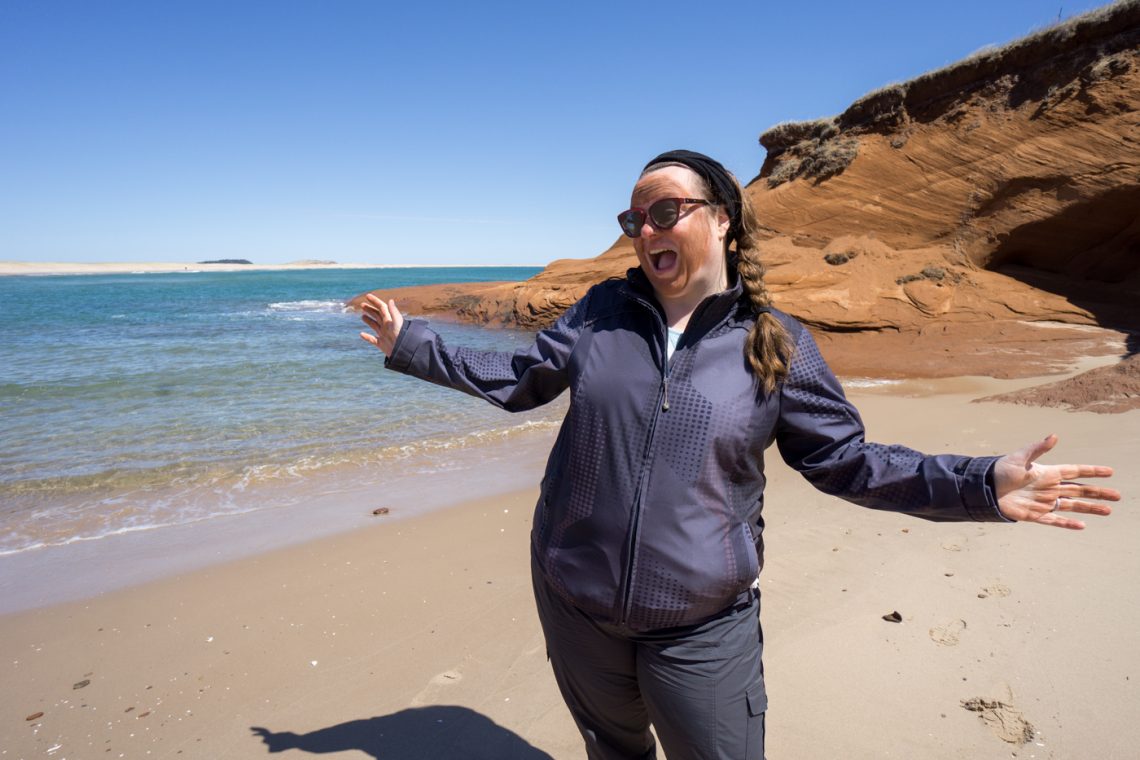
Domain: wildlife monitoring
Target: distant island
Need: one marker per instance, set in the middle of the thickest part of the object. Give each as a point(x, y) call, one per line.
point(227, 261)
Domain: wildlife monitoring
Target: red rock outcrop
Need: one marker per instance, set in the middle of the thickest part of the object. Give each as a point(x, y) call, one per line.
point(941, 226)
point(1104, 390)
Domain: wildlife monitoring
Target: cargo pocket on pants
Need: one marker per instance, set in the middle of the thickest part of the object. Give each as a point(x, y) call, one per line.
point(757, 705)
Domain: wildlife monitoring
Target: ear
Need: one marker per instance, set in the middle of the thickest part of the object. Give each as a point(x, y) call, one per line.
point(722, 222)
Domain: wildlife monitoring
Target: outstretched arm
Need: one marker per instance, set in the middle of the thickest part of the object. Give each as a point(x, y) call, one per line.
point(1032, 492)
point(512, 381)
point(820, 434)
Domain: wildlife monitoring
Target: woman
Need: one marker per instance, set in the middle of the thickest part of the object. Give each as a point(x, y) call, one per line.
point(647, 537)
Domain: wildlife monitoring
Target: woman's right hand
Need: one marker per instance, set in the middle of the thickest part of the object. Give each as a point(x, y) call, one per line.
point(384, 319)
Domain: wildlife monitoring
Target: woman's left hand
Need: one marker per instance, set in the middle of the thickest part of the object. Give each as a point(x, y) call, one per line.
point(1040, 493)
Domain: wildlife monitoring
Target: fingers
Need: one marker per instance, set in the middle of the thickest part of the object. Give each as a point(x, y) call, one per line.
point(1036, 450)
point(374, 313)
point(1058, 521)
point(1056, 517)
point(385, 313)
point(1084, 507)
point(396, 316)
point(1074, 471)
point(384, 319)
point(1083, 491)
point(374, 307)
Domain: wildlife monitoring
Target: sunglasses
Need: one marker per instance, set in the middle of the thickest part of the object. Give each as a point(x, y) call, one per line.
point(663, 215)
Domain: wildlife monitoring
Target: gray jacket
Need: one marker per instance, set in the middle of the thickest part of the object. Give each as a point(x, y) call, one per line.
point(650, 513)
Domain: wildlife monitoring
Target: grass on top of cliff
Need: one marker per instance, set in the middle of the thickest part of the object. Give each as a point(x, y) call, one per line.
point(1102, 32)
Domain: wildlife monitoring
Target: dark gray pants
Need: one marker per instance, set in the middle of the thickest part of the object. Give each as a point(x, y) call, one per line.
point(701, 686)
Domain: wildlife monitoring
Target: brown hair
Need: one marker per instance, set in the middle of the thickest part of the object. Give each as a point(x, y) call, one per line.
point(769, 346)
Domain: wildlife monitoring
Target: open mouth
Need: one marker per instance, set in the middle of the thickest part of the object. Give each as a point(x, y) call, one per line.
point(663, 260)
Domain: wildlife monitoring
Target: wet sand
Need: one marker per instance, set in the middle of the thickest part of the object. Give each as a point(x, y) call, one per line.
point(417, 638)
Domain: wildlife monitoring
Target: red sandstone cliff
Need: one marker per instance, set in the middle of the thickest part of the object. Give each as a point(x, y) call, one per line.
point(941, 226)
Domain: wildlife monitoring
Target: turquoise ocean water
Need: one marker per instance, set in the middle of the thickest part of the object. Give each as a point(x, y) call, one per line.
point(136, 402)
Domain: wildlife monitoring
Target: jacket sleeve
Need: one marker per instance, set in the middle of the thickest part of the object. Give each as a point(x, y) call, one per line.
point(821, 435)
point(515, 382)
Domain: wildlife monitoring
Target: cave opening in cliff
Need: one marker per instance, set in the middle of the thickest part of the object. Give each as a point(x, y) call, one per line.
point(1088, 253)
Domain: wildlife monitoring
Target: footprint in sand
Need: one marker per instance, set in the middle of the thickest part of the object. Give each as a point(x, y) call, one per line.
point(998, 589)
point(437, 682)
point(1005, 720)
point(947, 634)
point(954, 544)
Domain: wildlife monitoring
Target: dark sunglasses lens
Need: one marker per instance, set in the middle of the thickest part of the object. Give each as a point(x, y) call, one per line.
point(665, 213)
point(631, 222)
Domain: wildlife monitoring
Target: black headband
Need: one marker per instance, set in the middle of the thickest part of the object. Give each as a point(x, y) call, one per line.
point(725, 190)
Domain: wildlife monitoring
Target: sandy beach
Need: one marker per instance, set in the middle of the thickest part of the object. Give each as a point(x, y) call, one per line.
point(417, 638)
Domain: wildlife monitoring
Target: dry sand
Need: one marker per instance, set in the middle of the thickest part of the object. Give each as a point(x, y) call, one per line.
point(418, 639)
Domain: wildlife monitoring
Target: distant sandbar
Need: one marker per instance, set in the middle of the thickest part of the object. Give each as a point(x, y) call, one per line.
point(155, 267)
point(152, 267)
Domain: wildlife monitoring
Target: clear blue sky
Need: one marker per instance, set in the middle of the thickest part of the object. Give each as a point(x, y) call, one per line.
point(415, 132)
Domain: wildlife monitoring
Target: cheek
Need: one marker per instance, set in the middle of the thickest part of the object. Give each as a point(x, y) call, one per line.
point(703, 245)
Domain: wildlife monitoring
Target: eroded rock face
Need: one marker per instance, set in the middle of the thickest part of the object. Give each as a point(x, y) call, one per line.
point(952, 215)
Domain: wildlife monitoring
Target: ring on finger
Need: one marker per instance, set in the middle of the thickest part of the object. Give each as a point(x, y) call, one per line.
point(1056, 504)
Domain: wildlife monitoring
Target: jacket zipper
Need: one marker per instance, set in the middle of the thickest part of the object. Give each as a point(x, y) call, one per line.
point(662, 406)
point(635, 524)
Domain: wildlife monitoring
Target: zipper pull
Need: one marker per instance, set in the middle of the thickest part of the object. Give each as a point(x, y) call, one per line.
point(665, 401)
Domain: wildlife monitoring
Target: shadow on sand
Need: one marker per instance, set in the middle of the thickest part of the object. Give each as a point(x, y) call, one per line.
point(438, 732)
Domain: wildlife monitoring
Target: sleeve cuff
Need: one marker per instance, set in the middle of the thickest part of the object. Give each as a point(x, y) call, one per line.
point(404, 349)
point(979, 496)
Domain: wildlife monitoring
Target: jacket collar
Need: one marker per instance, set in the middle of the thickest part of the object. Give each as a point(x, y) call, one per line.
point(711, 311)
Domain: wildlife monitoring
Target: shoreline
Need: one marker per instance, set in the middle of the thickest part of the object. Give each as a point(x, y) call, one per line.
point(417, 637)
point(16, 268)
point(329, 504)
